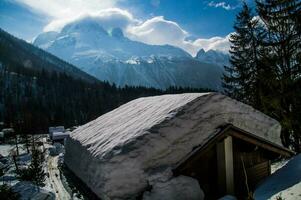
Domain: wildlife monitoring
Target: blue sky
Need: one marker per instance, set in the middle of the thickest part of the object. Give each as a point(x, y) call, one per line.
point(190, 24)
point(21, 21)
point(195, 16)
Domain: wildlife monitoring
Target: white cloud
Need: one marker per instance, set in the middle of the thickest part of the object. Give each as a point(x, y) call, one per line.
point(156, 30)
point(159, 31)
point(215, 43)
point(65, 11)
point(222, 4)
point(108, 18)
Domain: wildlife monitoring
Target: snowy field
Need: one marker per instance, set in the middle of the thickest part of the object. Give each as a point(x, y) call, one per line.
point(25, 188)
point(5, 149)
point(284, 183)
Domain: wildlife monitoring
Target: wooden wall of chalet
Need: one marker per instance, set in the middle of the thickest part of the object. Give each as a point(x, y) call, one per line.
point(256, 162)
point(203, 167)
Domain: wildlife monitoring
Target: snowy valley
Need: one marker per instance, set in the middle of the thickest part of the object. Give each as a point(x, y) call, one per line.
point(150, 100)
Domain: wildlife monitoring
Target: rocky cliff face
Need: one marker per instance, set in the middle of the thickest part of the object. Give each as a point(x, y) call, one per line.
point(213, 57)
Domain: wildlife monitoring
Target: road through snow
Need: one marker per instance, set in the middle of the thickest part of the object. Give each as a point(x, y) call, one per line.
point(54, 176)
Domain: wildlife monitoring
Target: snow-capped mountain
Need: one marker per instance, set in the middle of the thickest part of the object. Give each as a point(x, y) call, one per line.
point(213, 57)
point(111, 56)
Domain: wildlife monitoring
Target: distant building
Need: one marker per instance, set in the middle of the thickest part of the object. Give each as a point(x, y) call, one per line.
point(8, 132)
point(170, 146)
point(60, 136)
point(55, 129)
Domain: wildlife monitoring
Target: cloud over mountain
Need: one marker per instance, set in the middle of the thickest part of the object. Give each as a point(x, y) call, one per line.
point(156, 30)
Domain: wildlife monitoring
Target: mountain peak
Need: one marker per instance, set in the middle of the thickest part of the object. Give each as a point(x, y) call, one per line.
point(213, 57)
point(200, 53)
point(44, 38)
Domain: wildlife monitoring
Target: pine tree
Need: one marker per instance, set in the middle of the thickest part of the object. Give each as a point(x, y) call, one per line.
point(37, 167)
point(35, 172)
point(241, 77)
point(281, 19)
point(265, 69)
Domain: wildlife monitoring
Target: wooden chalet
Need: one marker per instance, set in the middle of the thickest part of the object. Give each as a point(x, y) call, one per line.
point(233, 162)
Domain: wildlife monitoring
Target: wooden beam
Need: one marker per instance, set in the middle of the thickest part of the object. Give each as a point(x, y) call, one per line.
point(225, 170)
point(260, 143)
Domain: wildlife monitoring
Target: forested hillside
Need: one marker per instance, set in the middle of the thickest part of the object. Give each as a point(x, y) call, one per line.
point(15, 52)
point(39, 90)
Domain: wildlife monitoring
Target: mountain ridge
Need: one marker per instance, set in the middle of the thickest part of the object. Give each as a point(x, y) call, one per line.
point(214, 57)
point(111, 56)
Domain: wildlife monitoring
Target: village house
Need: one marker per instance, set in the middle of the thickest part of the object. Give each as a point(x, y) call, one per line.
point(183, 146)
point(7, 133)
point(54, 129)
point(58, 134)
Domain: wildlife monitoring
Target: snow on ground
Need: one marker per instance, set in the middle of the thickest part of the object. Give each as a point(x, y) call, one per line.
point(285, 182)
point(7, 163)
point(5, 149)
point(53, 188)
point(30, 191)
point(278, 165)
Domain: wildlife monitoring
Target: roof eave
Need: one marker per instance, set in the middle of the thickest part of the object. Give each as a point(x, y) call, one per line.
point(225, 131)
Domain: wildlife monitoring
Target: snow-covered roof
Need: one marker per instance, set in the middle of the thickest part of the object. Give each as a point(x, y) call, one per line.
point(136, 119)
point(60, 135)
point(120, 153)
